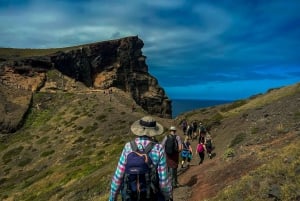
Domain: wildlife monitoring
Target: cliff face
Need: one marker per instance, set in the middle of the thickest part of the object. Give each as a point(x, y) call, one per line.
point(117, 63)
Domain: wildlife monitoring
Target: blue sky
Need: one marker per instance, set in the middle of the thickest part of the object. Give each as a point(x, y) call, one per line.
point(196, 49)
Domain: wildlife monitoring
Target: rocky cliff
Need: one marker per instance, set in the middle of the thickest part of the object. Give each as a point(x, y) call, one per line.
point(116, 63)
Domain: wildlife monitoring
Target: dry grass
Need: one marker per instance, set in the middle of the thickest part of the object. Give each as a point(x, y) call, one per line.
point(70, 159)
point(278, 177)
point(265, 99)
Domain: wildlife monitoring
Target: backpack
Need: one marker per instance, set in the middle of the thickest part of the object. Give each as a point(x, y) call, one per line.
point(202, 129)
point(140, 178)
point(208, 143)
point(200, 148)
point(171, 145)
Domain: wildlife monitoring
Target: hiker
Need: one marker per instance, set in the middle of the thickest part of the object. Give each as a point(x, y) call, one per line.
point(187, 152)
point(201, 151)
point(173, 146)
point(202, 129)
point(208, 145)
point(184, 126)
point(195, 126)
point(190, 131)
point(141, 173)
point(202, 133)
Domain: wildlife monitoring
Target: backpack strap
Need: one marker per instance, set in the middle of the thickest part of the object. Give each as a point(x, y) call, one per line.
point(149, 147)
point(185, 146)
point(133, 145)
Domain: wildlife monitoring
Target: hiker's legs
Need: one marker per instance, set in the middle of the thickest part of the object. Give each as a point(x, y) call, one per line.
point(201, 155)
point(173, 176)
point(183, 161)
point(209, 149)
point(175, 182)
point(170, 173)
point(188, 161)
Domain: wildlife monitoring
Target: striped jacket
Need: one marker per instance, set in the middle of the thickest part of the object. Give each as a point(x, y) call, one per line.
point(158, 156)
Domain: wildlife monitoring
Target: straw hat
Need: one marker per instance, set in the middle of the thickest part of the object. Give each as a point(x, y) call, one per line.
point(172, 128)
point(147, 126)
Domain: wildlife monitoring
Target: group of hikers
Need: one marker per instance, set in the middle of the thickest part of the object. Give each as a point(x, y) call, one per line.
point(147, 169)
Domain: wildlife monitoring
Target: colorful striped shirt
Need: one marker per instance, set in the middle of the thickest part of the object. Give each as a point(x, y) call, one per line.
point(158, 156)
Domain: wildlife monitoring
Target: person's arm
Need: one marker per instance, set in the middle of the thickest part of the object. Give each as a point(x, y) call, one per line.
point(164, 181)
point(190, 148)
point(179, 143)
point(118, 176)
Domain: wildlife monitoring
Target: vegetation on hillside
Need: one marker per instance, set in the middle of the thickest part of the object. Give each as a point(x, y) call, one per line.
point(278, 179)
point(66, 148)
point(70, 143)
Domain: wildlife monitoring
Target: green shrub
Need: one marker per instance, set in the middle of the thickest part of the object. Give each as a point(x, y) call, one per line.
point(74, 118)
point(79, 162)
point(89, 129)
point(101, 153)
point(71, 156)
point(77, 113)
point(297, 115)
point(215, 120)
point(24, 162)
point(13, 153)
point(254, 130)
point(79, 128)
point(47, 153)
point(238, 139)
point(2, 180)
point(78, 140)
point(37, 119)
point(43, 140)
point(101, 117)
point(229, 152)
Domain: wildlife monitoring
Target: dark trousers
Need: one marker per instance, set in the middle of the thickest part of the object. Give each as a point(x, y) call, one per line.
point(173, 174)
point(201, 155)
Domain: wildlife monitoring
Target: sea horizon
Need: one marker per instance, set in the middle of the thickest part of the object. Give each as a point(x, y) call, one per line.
point(180, 106)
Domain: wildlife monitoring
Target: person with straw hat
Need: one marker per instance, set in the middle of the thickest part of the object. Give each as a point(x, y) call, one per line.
point(145, 129)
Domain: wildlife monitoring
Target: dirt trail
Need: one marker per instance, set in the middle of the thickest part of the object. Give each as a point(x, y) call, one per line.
point(199, 182)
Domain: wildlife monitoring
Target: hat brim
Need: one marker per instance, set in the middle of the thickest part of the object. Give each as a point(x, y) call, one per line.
point(139, 130)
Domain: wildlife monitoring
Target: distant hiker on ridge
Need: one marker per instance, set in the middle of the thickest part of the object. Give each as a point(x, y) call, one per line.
point(190, 131)
point(202, 133)
point(208, 145)
point(184, 126)
point(173, 146)
point(141, 174)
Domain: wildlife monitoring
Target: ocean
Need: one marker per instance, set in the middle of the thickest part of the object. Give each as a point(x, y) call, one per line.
point(182, 105)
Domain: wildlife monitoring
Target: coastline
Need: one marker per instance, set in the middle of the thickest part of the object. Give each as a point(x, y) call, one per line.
point(180, 106)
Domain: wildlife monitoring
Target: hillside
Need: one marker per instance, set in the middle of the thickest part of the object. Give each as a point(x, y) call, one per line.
point(257, 153)
point(70, 143)
point(67, 146)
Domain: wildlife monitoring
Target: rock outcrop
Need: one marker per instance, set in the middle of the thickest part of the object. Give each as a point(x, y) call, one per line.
point(116, 63)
